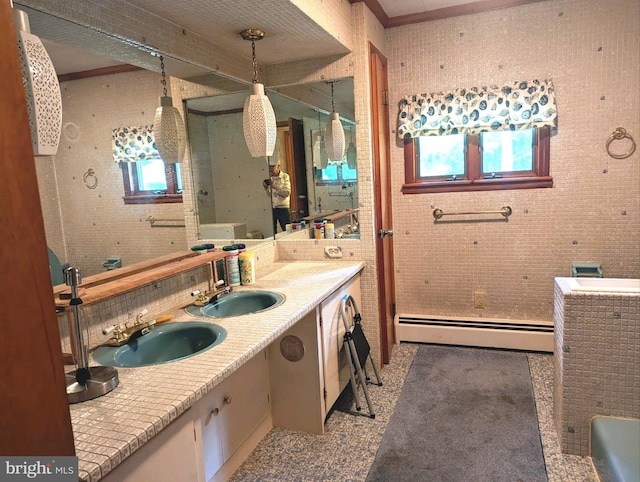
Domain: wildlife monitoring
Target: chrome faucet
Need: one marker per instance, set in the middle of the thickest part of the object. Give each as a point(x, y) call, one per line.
point(205, 297)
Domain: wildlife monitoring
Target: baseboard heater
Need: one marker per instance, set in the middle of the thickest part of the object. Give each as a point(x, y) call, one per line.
point(512, 334)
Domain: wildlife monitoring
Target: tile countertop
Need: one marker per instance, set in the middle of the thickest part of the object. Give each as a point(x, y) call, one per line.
point(110, 428)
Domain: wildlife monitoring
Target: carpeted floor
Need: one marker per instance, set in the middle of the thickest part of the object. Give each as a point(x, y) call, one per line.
point(347, 450)
point(464, 414)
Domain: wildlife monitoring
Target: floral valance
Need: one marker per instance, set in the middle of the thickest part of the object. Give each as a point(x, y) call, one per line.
point(515, 106)
point(132, 144)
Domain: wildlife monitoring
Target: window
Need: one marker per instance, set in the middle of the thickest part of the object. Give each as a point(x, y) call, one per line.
point(336, 173)
point(478, 138)
point(332, 172)
point(147, 179)
point(478, 162)
point(150, 181)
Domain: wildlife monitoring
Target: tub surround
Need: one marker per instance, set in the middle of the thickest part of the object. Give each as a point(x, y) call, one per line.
point(223, 230)
point(109, 429)
point(597, 338)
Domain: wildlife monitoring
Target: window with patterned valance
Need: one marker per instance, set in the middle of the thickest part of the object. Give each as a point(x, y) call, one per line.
point(478, 138)
point(515, 106)
point(147, 179)
point(131, 144)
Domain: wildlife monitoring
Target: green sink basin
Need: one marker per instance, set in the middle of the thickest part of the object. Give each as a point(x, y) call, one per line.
point(238, 303)
point(164, 343)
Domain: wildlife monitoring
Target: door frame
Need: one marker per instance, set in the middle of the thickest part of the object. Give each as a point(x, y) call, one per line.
point(35, 419)
point(382, 169)
point(296, 168)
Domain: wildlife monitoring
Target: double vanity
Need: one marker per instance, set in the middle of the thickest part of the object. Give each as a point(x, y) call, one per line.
point(199, 417)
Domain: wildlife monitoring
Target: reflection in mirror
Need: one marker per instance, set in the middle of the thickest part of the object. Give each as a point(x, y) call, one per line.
point(87, 223)
point(228, 183)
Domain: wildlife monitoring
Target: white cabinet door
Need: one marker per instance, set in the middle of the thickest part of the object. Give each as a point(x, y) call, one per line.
point(167, 457)
point(296, 378)
point(209, 432)
point(247, 394)
point(335, 360)
point(231, 412)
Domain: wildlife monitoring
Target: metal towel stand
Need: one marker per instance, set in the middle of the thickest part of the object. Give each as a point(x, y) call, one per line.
point(358, 349)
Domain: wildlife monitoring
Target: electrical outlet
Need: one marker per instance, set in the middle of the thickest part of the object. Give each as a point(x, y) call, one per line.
point(479, 299)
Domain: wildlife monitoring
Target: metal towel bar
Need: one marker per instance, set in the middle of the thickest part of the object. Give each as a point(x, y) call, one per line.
point(504, 210)
point(153, 220)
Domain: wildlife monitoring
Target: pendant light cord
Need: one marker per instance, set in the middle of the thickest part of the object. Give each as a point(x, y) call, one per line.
point(255, 64)
point(253, 34)
point(164, 79)
point(333, 105)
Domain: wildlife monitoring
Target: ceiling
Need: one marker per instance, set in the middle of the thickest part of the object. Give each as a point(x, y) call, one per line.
point(291, 35)
point(397, 8)
point(228, 102)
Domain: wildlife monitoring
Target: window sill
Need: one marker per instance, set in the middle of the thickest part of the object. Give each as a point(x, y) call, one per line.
point(353, 182)
point(153, 199)
point(478, 185)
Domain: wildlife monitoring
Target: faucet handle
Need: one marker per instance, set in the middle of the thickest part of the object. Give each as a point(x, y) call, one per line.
point(140, 315)
point(106, 331)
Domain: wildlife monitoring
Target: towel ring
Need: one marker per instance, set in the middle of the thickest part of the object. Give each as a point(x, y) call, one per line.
point(90, 173)
point(617, 135)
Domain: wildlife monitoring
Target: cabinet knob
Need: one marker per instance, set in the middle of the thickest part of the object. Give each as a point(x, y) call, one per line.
point(216, 411)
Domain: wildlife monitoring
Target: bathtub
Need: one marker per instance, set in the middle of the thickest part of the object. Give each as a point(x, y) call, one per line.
point(615, 445)
point(611, 285)
point(222, 231)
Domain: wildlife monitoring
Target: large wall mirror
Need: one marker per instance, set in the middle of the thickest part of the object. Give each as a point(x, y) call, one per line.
point(86, 221)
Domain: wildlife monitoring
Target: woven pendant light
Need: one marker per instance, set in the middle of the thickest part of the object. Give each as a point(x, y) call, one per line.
point(168, 128)
point(42, 90)
point(258, 118)
point(334, 139)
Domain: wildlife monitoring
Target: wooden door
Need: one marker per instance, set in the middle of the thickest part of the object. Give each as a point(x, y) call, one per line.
point(34, 413)
point(297, 168)
point(382, 202)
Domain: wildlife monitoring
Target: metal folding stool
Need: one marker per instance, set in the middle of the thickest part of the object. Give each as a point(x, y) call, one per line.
point(358, 350)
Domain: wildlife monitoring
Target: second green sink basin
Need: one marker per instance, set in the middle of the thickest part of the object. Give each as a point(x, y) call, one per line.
point(238, 303)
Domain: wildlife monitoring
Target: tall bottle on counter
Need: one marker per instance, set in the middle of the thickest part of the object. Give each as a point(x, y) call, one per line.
point(247, 268)
point(232, 265)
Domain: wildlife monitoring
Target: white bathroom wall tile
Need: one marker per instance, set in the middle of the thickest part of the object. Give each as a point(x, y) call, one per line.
point(590, 215)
